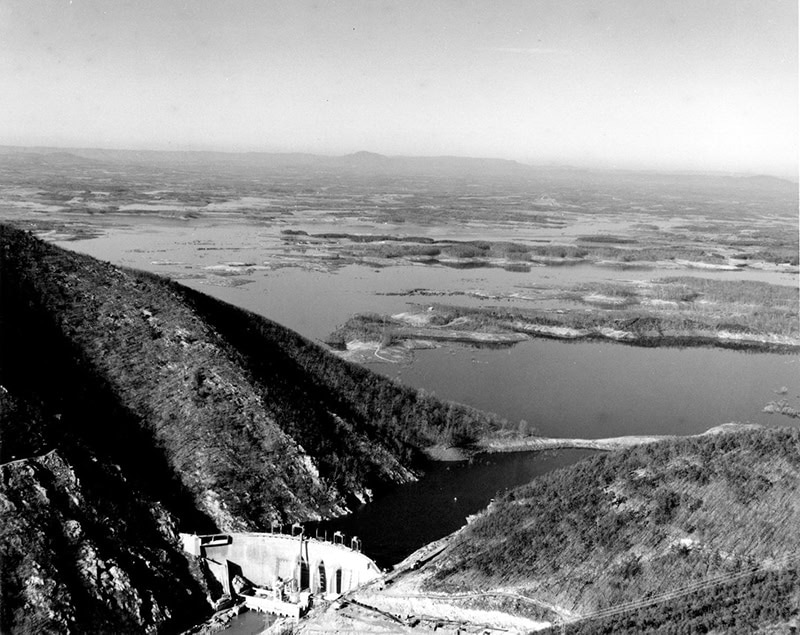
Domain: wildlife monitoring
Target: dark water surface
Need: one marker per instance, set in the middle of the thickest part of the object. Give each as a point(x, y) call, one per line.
point(250, 623)
point(410, 516)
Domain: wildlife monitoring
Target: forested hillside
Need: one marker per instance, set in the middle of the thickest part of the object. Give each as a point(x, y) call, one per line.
point(705, 527)
point(762, 601)
point(254, 422)
point(132, 408)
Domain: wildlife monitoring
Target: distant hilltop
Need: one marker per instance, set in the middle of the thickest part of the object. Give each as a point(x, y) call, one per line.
point(363, 158)
point(358, 164)
point(365, 162)
point(363, 155)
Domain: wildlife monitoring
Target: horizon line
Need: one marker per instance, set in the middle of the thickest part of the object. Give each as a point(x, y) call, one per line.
point(601, 166)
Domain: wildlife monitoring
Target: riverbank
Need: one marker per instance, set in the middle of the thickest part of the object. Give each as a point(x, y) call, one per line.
point(401, 351)
point(534, 444)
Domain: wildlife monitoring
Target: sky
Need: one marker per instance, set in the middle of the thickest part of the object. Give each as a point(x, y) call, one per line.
point(651, 84)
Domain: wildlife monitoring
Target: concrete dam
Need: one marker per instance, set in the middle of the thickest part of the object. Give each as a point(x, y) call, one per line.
point(322, 567)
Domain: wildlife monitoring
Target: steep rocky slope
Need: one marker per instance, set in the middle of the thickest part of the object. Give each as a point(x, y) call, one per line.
point(82, 549)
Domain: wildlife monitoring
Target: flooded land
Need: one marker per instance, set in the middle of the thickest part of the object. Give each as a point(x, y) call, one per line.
point(474, 279)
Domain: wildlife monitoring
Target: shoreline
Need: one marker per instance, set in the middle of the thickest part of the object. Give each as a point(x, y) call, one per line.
point(533, 444)
point(420, 338)
point(670, 312)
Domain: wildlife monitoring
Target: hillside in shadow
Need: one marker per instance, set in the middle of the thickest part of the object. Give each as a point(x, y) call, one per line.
point(132, 408)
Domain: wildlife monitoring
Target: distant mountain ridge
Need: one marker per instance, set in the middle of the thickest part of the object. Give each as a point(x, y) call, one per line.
point(362, 160)
point(275, 158)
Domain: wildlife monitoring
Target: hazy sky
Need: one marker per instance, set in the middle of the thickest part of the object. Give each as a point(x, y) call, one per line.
point(633, 83)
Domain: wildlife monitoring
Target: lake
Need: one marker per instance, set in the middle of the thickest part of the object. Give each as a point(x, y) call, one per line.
point(592, 390)
point(561, 389)
point(303, 293)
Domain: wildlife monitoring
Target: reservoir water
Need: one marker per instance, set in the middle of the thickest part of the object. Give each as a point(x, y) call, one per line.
point(409, 516)
point(313, 295)
point(561, 389)
point(594, 390)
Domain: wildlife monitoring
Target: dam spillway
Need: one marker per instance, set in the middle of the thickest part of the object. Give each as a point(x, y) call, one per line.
point(319, 566)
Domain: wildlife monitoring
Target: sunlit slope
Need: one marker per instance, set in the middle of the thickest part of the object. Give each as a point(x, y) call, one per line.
point(621, 528)
point(215, 409)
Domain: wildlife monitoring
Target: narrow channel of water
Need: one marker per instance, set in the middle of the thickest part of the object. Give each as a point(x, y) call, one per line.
point(409, 516)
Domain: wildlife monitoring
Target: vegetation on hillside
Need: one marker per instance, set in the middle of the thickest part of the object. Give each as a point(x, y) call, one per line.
point(403, 418)
point(765, 601)
point(244, 419)
point(626, 526)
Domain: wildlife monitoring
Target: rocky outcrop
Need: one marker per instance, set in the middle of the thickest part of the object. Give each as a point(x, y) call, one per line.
point(73, 563)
